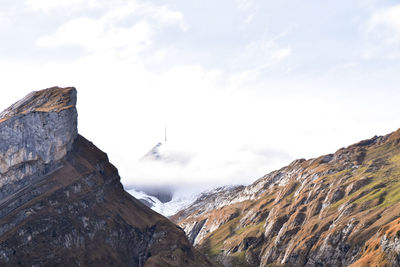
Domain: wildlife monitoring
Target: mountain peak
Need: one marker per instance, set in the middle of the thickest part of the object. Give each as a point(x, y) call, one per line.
point(39, 129)
point(154, 153)
point(48, 100)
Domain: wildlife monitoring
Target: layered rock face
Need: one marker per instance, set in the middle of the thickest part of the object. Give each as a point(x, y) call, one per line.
point(335, 210)
point(35, 132)
point(61, 200)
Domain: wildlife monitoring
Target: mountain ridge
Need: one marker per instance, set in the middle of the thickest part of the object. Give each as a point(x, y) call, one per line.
point(316, 212)
point(61, 200)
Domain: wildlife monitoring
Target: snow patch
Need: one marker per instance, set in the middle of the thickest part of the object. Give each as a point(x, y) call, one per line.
point(170, 208)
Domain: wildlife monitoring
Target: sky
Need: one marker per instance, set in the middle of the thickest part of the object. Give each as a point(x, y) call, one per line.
point(244, 86)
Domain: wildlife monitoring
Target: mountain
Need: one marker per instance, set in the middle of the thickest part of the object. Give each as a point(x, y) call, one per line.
point(341, 209)
point(164, 198)
point(154, 153)
point(61, 200)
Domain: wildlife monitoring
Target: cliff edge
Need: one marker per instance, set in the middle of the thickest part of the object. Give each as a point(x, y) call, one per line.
point(61, 200)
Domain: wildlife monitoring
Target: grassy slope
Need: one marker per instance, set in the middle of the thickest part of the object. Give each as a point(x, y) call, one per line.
point(381, 166)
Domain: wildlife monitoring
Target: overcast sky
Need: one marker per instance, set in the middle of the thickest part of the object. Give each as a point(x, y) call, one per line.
point(244, 86)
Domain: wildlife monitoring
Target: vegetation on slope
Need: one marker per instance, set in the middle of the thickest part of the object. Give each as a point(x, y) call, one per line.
point(335, 209)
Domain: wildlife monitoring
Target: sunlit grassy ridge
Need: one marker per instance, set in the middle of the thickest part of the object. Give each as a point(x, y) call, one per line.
point(382, 166)
point(358, 185)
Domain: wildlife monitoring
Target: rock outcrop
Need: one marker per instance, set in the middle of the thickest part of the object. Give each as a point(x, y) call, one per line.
point(35, 132)
point(318, 212)
point(61, 200)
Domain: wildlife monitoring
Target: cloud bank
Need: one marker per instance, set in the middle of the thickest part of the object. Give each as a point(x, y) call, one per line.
point(244, 86)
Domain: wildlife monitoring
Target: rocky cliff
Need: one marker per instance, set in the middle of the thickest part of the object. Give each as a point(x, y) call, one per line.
point(61, 200)
point(339, 209)
point(35, 132)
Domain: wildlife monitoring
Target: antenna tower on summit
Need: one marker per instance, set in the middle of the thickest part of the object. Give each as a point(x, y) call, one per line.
point(165, 133)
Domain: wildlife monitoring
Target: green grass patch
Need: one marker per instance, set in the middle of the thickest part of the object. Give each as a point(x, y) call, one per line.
point(250, 228)
point(387, 176)
point(214, 242)
point(375, 194)
point(386, 149)
point(239, 259)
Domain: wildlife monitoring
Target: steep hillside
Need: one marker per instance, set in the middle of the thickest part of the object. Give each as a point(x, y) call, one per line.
point(335, 210)
point(61, 200)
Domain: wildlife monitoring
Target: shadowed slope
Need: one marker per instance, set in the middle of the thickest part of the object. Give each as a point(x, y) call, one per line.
point(62, 203)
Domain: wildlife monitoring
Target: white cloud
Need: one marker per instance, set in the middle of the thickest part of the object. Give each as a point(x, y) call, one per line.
point(249, 18)
point(244, 4)
point(105, 34)
point(281, 53)
point(248, 9)
point(3, 16)
point(165, 15)
point(115, 9)
point(212, 110)
point(48, 5)
point(383, 29)
point(82, 31)
point(260, 55)
point(231, 165)
point(387, 22)
point(160, 14)
point(100, 36)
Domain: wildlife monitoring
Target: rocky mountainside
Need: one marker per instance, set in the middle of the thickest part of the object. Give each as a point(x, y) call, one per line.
point(339, 209)
point(61, 200)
